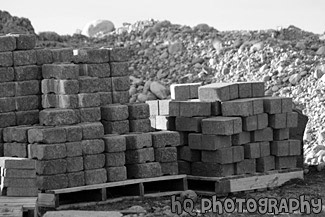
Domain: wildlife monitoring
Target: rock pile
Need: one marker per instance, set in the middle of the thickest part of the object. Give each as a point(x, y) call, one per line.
point(13, 24)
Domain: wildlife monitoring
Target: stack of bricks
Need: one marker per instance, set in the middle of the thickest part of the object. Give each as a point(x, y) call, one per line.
point(18, 177)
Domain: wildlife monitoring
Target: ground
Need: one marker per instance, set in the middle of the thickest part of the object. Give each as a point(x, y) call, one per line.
point(312, 187)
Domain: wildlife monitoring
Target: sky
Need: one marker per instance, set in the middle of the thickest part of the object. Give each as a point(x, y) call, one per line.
point(66, 16)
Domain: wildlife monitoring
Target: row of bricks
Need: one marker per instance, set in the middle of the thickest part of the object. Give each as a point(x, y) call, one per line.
point(247, 166)
point(19, 118)
point(17, 42)
point(20, 88)
point(20, 103)
point(21, 73)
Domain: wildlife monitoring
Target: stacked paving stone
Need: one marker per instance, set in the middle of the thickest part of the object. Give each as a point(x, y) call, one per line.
point(18, 177)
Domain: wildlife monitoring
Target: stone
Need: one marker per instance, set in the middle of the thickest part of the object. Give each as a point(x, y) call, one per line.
point(239, 107)
point(15, 149)
point(169, 168)
point(214, 142)
point(158, 90)
point(247, 166)
point(212, 169)
point(100, 70)
point(121, 97)
point(6, 59)
point(17, 163)
point(21, 192)
point(76, 179)
point(194, 108)
point(92, 55)
point(180, 92)
point(60, 71)
point(265, 135)
point(7, 104)
point(252, 150)
point(7, 74)
point(18, 182)
point(74, 164)
point(281, 134)
point(140, 125)
point(7, 43)
point(241, 138)
point(138, 111)
point(153, 107)
point(114, 143)
point(43, 56)
point(120, 83)
point(119, 69)
point(278, 121)
point(7, 89)
point(27, 117)
point(250, 123)
point(166, 154)
point(90, 114)
point(74, 149)
point(222, 125)
point(138, 140)
point(94, 130)
point(74, 133)
point(221, 156)
point(105, 98)
point(114, 112)
point(184, 167)
point(23, 88)
point(62, 55)
point(25, 41)
point(25, 73)
point(119, 54)
point(162, 139)
point(188, 124)
point(188, 154)
point(67, 86)
point(88, 84)
point(88, 100)
point(285, 162)
point(7, 119)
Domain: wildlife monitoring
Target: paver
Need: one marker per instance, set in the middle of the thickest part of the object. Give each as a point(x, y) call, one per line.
point(280, 148)
point(74, 149)
point(265, 134)
point(286, 104)
point(166, 154)
point(88, 84)
point(214, 142)
point(25, 41)
point(292, 119)
point(184, 167)
point(138, 140)
point(24, 57)
point(116, 127)
point(278, 121)
point(74, 164)
point(105, 98)
point(7, 89)
point(115, 143)
point(174, 108)
point(67, 101)
point(180, 92)
point(47, 135)
point(91, 55)
point(221, 156)
point(51, 167)
point(139, 156)
point(43, 56)
point(115, 174)
point(258, 89)
point(51, 182)
point(285, 162)
point(212, 169)
point(88, 100)
point(74, 133)
point(272, 105)
point(47, 152)
point(138, 111)
point(7, 119)
point(195, 141)
point(18, 173)
point(115, 112)
point(294, 147)
point(90, 114)
point(62, 55)
point(250, 123)
point(265, 149)
point(238, 153)
point(99, 70)
point(164, 122)
point(18, 182)
point(93, 146)
point(187, 154)
point(119, 54)
point(214, 92)
point(154, 107)
point(23, 88)
point(238, 107)
point(162, 139)
point(56, 117)
point(247, 166)
point(60, 71)
point(216, 108)
point(25, 73)
point(115, 159)
point(140, 125)
point(15, 149)
point(6, 59)
point(252, 150)
point(96, 176)
point(27, 117)
point(7, 104)
point(241, 138)
point(67, 86)
point(7, 74)
point(194, 108)
point(281, 134)
point(262, 121)
point(120, 97)
point(105, 85)
point(7, 43)
point(120, 83)
point(92, 130)
point(119, 69)
point(189, 124)
point(222, 125)
point(244, 89)
point(21, 191)
point(17, 163)
point(94, 161)
point(16, 133)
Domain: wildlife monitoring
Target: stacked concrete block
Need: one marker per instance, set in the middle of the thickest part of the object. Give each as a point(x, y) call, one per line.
point(139, 117)
point(18, 177)
point(114, 117)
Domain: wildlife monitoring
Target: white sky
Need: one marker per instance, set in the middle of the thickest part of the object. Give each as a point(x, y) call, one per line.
point(65, 16)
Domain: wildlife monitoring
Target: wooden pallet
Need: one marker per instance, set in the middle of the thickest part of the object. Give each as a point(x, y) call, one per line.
point(242, 183)
point(17, 206)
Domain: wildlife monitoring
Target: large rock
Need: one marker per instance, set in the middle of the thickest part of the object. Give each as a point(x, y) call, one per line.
point(158, 90)
point(13, 24)
point(98, 27)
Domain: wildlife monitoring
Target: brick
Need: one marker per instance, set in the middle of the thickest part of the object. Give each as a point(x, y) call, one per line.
point(162, 139)
point(250, 123)
point(74, 149)
point(247, 166)
point(115, 174)
point(233, 91)
point(15, 149)
point(187, 154)
point(115, 143)
point(214, 92)
point(140, 125)
point(258, 106)
point(154, 107)
point(221, 125)
point(119, 69)
point(74, 164)
point(7, 43)
point(194, 108)
point(24, 88)
point(100, 70)
point(286, 104)
point(241, 138)
point(294, 147)
point(145, 170)
point(222, 156)
point(74, 133)
point(91, 55)
point(164, 123)
point(47, 152)
point(1, 149)
point(285, 162)
point(62, 55)
point(18, 173)
point(252, 150)
point(180, 92)
point(120, 97)
point(94, 161)
point(244, 90)
point(52, 182)
point(96, 176)
point(292, 119)
point(115, 159)
point(194, 90)
point(214, 142)
point(104, 85)
point(120, 83)
point(94, 146)
point(88, 84)
point(17, 163)
point(173, 108)
point(153, 123)
point(195, 141)
point(258, 89)
point(88, 100)
point(7, 104)
point(49, 86)
point(51, 167)
point(163, 107)
point(16, 134)
point(76, 179)
point(238, 107)
point(105, 98)
point(56, 117)
point(60, 71)
point(278, 121)
point(115, 112)
point(262, 135)
point(119, 54)
point(25, 41)
point(138, 140)
point(265, 149)
point(272, 105)
point(166, 154)
point(68, 101)
point(92, 130)
point(262, 121)
point(90, 114)
point(24, 57)
point(47, 135)
point(49, 101)
point(140, 156)
point(169, 168)
point(27, 117)
point(7, 89)
point(189, 124)
point(18, 182)
point(281, 134)
point(6, 59)
point(280, 148)
point(6, 74)
point(183, 138)
point(26, 73)
point(216, 108)
point(237, 153)
point(138, 111)
point(67, 86)
point(184, 167)
point(25, 103)
point(7, 119)
point(212, 169)
point(43, 56)
point(116, 127)
point(21, 192)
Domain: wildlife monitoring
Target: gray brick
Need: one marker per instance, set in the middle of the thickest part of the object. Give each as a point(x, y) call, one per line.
point(17, 163)
point(119, 69)
point(93, 130)
point(169, 168)
point(145, 170)
point(95, 161)
point(62, 55)
point(52, 182)
point(188, 154)
point(119, 54)
point(140, 125)
point(116, 127)
point(212, 169)
point(27, 117)
point(43, 56)
point(76, 179)
point(7, 89)
point(120, 97)
point(25, 73)
point(74, 149)
point(138, 140)
point(120, 83)
point(105, 98)
point(162, 139)
point(189, 124)
point(51, 167)
point(7, 119)
point(24, 57)
point(25, 103)
point(140, 156)
point(15, 149)
point(47, 152)
point(56, 117)
point(23, 88)
point(138, 111)
point(105, 85)
point(74, 164)
point(47, 135)
point(6, 74)
point(115, 159)
point(6, 59)
point(194, 108)
point(7, 43)
point(25, 41)
point(60, 71)
point(115, 112)
point(7, 104)
point(115, 174)
point(222, 125)
point(94, 146)
point(115, 143)
point(96, 176)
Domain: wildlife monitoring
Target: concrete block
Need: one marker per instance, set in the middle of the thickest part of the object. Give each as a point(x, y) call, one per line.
point(100, 70)
point(163, 107)
point(286, 104)
point(221, 125)
point(166, 154)
point(91, 55)
point(47, 135)
point(286, 162)
point(188, 154)
point(17, 163)
point(43, 56)
point(294, 147)
point(278, 121)
point(24, 57)
point(88, 100)
point(115, 159)
point(6, 59)
point(180, 92)
point(153, 123)
point(105, 85)
point(26, 73)
point(174, 108)
point(24, 88)
point(214, 142)
point(94, 161)
point(21, 192)
point(194, 108)
point(247, 166)
point(105, 98)
point(119, 54)
point(74, 164)
point(49, 86)
point(94, 130)
point(15, 149)
point(258, 89)
point(214, 92)
point(16, 133)
point(194, 90)
point(94, 146)
point(238, 107)
point(169, 168)
point(90, 114)
point(241, 138)
point(140, 156)
point(265, 135)
point(216, 108)
point(162, 139)
point(250, 123)
point(7, 104)
point(221, 156)
point(280, 148)
point(258, 106)
point(88, 84)
point(292, 119)
point(265, 149)
point(184, 167)
point(115, 143)
point(120, 83)
point(115, 112)
point(138, 140)
point(7, 119)
point(7, 74)
point(27, 103)
point(67, 86)
point(25, 41)
point(62, 55)
point(52, 182)
point(7, 89)
point(140, 125)
point(18, 182)
point(281, 134)
point(60, 71)
point(27, 117)
point(262, 121)
point(212, 169)
point(56, 117)
point(76, 179)
point(154, 107)
point(244, 90)
point(189, 124)
point(119, 69)
point(195, 141)
point(252, 150)
point(164, 123)
point(238, 153)
point(96, 176)
point(67, 101)
point(145, 170)
point(7, 43)
point(115, 174)
point(120, 97)
point(74, 133)
point(138, 111)
point(51, 167)
point(116, 127)
point(272, 105)
point(47, 152)
point(74, 149)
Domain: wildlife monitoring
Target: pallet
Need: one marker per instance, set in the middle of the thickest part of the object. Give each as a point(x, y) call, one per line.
point(94, 194)
point(17, 206)
point(222, 186)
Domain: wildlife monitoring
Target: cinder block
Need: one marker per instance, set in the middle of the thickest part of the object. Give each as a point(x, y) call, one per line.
point(221, 125)
point(60, 71)
point(281, 134)
point(6, 74)
point(174, 108)
point(180, 92)
point(169, 168)
point(24, 88)
point(286, 104)
point(250, 123)
point(47, 135)
point(237, 153)
point(194, 108)
point(15, 149)
point(154, 107)
point(74, 149)
point(272, 105)
point(17, 163)
point(51, 182)
point(18, 182)
point(16, 133)
point(214, 92)
point(88, 100)
point(6, 59)
point(221, 156)
point(119, 69)
point(119, 54)
point(285, 162)
point(26, 73)
point(264, 135)
point(94, 161)
point(238, 107)
point(100, 70)
point(25, 41)
point(162, 139)
point(104, 85)
point(262, 121)
point(18, 173)
point(51, 167)
point(105, 98)
point(166, 154)
point(7, 119)
point(145, 170)
point(241, 138)
point(24, 57)
point(88, 84)
point(212, 169)
point(7, 89)
point(115, 174)
point(76, 179)
point(115, 112)
point(292, 119)
point(7, 43)
point(252, 150)
point(188, 154)
point(74, 133)
point(164, 123)
point(247, 166)
point(244, 90)
point(278, 121)
point(47, 152)
point(90, 114)
point(214, 142)
point(62, 55)
point(57, 117)
point(216, 108)
point(280, 148)
point(67, 86)
point(195, 141)
point(7, 104)
point(138, 110)
point(91, 55)
point(140, 125)
point(120, 97)
point(184, 167)
point(74, 164)
point(116, 127)
point(138, 140)
point(115, 159)
point(120, 83)
point(140, 156)
point(21, 191)
point(27, 117)
point(294, 147)
point(114, 143)
point(96, 176)
point(258, 89)
point(26, 103)
point(43, 56)
point(94, 146)
point(94, 130)
point(189, 124)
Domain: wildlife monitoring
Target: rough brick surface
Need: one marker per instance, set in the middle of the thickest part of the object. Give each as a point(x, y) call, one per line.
point(163, 107)
point(43, 56)
point(195, 141)
point(18, 182)
point(286, 104)
point(88, 100)
point(27, 117)
point(17, 163)
point(88, 84)
point(247, 166)
point(241, 138)
point(21, 192)
point(18, 173)
point(262, 135)
point(91, 55)
point(194, 108)
point(214, 142)
point(7, 89)
point(238, 107)
point(138, 111)
point(25, 41)
point(285, 162)
point(145, 170)
point(7, 74)
point(294, 147)
point(47, 135)
point(187, 154)
point(15, 149)
point(189, 124)
point(194, 90)
point(60, 71)
point(6, 59)
point(49, 86)
point(244, 89)
point(94, 161)
point(252, 150)
point(116, 127)
point(173, 108)
point(74, 149)
point(51, 167)
point(115, 174)
point(7, 43)
point(74, 133)
point(24, 57)
point(105, 98)
point(96, 176)
point(105, 85)
point(214, 92)
point(94, 146)
point(119, 69)
point(262, 121)
point(115, 159)
point(163, 122)
point(90, 114)
point(169, 168)
point(114, 143)
point(138, 140)
point(26, 103)
point(62, 55)
point(115, 112)
point(216, 108)
point(100, 70)
point(238, 153)
point(222, 125)
point(56, 117)
point(67, 86)
point(280, 148)
point(166, 154)
point(120, 97)
point(140, 125)
point(93, 130)
point(212, 169)
point(76, 179)
point(162, 139)
point(24, 88)
point(7, 119)
point(278, 121)
point(16, 133)
point(180, 92)
point(120, 83)
point(119, 54)
point(47, 152)
point(7, 104)
point(221, 156)
point(52, 182)
point(258, 89)
point(140, 156)
point(74, 164)
point(184, 167)
point(281, 134)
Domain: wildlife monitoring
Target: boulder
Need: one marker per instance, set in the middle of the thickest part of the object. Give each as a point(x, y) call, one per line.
point(13, 24)
point(158, 89)
point(98, 27)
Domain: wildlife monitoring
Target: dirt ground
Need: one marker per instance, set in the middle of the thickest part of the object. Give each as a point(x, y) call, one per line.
point(313, 187)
